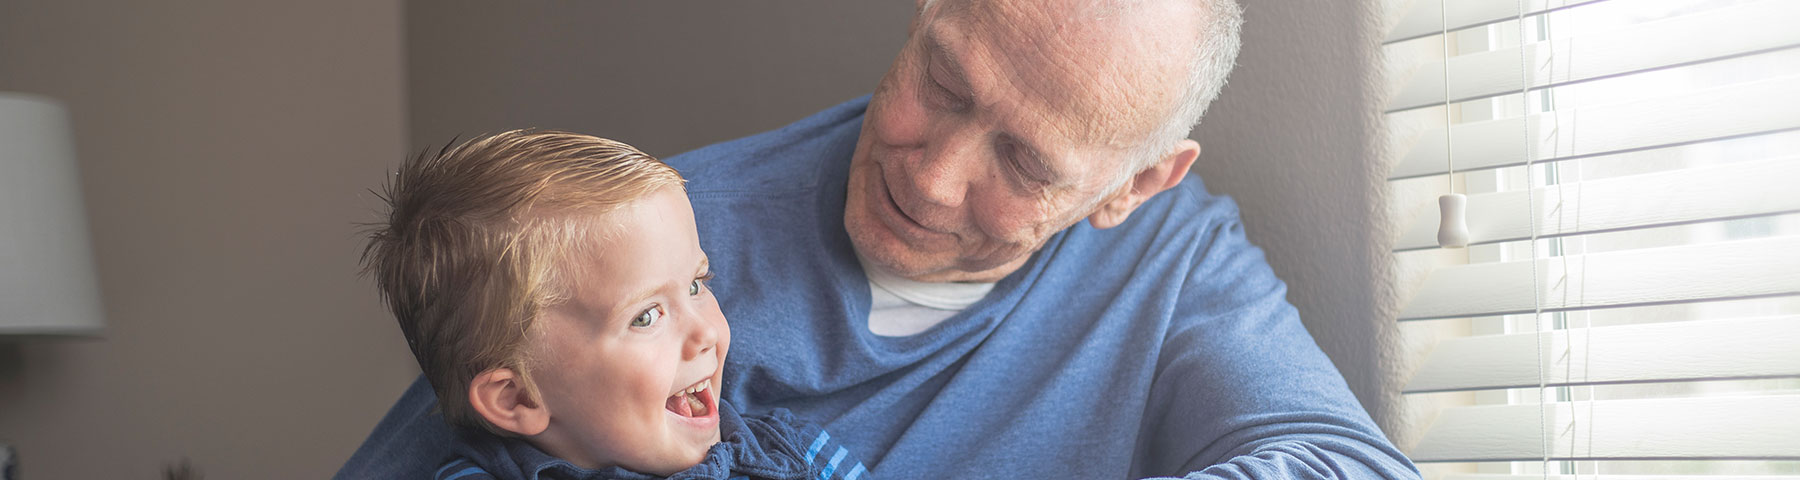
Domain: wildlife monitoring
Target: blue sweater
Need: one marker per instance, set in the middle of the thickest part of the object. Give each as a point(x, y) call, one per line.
point(772, 447)
point(1161, 347)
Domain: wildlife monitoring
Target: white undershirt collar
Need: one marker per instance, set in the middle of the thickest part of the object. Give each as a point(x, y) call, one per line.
point(953, 296)
point(899, 307)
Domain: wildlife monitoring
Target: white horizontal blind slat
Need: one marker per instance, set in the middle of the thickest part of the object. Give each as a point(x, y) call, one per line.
point(1710, 46)
point(1480, 476)
point(1748, 427)
point(1737, 110)
point(1712, 271)
point(1763, 347)
point(1426, 17)
point(1639, 48)
point(1737, 190)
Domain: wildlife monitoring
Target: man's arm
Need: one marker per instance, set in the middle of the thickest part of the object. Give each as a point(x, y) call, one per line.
point(1242, 391)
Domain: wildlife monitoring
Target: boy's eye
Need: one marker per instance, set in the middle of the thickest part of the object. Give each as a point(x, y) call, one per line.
point(694, 288)
point(649, 317)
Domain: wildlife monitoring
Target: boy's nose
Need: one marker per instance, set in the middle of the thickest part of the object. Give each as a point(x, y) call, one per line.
point(702, 338)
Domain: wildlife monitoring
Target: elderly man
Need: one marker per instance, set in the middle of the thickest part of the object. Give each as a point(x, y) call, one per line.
point(913, 269)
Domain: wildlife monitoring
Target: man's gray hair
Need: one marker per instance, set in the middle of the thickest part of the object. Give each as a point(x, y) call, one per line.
point(1212, 58)
point(1214, 55)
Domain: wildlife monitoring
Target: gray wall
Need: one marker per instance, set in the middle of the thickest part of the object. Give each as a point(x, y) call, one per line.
point(1290, 138)
point(1293, 140)
point(225, 149)
point(666, 77)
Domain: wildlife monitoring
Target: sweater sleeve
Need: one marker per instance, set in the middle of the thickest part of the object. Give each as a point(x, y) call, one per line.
point(1242, 391)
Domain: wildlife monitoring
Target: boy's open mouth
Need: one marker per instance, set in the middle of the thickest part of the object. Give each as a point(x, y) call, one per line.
point(695, 401)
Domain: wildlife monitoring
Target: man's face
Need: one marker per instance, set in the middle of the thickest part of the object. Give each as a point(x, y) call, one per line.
point(997, 126)
point(640, 330)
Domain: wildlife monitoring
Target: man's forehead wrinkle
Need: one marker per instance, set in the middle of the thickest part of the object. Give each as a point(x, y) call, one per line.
point(938, 52)
point(954, 39)
point(1074, 67)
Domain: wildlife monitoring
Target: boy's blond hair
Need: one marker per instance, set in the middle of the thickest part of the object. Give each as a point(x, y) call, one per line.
point(479, 242)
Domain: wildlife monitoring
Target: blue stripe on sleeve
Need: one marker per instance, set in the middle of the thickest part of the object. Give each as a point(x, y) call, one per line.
point(453, 464)
point(855, 472)
point(440, 471)
point(466, 472)
point(813, 451)
point(835, 458)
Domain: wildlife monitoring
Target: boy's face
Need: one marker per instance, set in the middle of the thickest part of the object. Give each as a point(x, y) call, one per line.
point(640, 329)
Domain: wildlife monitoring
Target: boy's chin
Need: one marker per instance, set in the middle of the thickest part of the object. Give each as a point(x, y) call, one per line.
point(697, 453)
point(684, 456)
point(677, 463)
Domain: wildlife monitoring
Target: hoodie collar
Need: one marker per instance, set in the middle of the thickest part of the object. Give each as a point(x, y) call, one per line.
point(765, 447)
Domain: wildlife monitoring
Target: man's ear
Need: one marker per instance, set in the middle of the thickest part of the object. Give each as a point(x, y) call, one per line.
point(1165, 174)
point(499, 395)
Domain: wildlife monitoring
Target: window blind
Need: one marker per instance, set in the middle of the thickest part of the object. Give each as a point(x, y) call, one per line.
point(1628, 306)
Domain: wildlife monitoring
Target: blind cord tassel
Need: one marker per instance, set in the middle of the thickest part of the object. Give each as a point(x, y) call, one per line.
point(1453, 224)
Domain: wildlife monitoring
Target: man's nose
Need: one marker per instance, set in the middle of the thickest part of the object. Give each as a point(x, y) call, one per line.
point(942, 174)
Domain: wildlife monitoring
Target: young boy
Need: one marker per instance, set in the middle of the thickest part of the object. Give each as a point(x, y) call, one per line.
point(553, 290)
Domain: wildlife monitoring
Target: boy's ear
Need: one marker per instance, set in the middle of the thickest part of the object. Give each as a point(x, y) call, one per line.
point(1165, 174)
point(499, 395)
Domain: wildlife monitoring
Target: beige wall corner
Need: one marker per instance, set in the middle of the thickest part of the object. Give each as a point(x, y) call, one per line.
point(1293, 138)
point(226, 151)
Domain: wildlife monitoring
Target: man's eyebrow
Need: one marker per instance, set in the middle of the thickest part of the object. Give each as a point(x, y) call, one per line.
point(1046, 166)
point(937, 50)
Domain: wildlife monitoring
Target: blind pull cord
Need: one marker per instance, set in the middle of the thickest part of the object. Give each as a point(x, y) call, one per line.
point(1453, 223)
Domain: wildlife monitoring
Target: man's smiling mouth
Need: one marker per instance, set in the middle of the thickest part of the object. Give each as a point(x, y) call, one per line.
point(902, 211)
point(887, 193)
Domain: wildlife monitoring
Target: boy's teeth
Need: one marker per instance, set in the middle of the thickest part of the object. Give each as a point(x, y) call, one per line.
point(690, 398)
point(698, 407)
point(699, 388)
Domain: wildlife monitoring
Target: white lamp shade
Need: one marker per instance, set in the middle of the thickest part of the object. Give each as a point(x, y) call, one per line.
point(47, 280)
